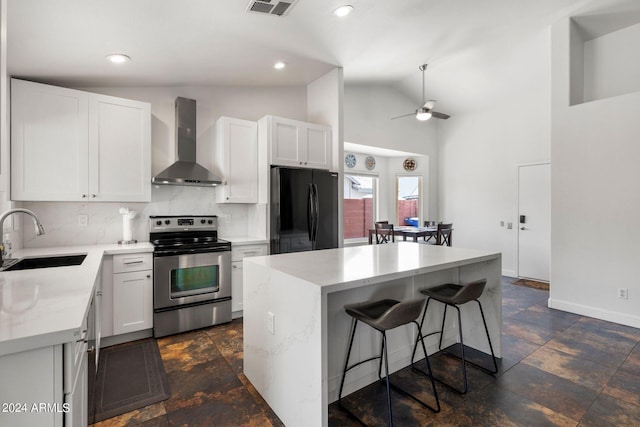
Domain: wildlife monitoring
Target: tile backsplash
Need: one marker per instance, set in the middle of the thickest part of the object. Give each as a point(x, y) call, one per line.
point(61, 222)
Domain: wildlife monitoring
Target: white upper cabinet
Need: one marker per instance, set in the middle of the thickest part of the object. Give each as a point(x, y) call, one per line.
point(49, 149)
point(70, 145)
point(236, 158)
point(119, 149)
point(297, 144)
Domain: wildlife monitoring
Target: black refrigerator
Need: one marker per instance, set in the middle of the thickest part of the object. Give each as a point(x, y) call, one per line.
point(304, 210)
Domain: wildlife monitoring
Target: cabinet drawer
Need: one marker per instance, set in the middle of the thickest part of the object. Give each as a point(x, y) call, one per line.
point(244, 251)
point(132, 262)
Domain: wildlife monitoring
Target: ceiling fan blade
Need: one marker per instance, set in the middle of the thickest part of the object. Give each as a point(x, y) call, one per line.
point(439, 115)
point(404, 115)
point(429, 104)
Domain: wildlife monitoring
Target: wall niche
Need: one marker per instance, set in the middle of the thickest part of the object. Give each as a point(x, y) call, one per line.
point(603, 56)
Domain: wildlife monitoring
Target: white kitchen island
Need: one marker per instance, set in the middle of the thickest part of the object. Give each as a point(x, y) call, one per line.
point(296, 330)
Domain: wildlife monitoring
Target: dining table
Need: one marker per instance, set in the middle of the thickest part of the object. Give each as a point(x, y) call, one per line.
point(408, 231)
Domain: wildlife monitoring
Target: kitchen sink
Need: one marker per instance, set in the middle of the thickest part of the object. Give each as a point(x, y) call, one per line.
point(46, 262)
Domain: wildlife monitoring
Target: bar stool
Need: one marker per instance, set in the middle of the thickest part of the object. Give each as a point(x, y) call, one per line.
point(452, 295)
point(384, 315)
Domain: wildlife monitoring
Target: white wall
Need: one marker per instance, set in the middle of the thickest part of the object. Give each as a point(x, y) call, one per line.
point(480, 149)
point(250, 103)
point(594, 190)
point(368, 110)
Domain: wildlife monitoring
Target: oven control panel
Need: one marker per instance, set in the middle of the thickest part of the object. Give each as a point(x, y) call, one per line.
point(183, 223)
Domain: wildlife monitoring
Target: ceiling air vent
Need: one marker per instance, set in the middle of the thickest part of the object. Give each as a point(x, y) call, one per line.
point(271, 7)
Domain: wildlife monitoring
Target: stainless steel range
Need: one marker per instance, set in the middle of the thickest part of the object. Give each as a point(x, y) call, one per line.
point(191, 274)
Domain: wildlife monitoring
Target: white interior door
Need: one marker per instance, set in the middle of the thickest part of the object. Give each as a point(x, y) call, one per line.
point(534, 221)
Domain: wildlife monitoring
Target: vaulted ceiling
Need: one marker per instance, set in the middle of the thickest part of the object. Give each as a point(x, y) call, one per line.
point(217, 42)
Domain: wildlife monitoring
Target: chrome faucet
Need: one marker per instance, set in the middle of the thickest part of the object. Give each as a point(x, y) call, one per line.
point(39, 227)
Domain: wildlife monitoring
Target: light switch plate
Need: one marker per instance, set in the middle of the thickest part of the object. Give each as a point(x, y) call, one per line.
point(271, 323)
point(83, 220)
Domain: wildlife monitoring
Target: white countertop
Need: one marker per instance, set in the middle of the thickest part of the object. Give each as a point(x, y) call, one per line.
point(43, 307)
point(345, 268)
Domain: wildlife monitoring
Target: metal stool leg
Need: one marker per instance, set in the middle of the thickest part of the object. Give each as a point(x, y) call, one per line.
point(464, 365)
point(386, 368)
point(354, 323)
point(495, 363)
point(444, 318)
point(415, 346)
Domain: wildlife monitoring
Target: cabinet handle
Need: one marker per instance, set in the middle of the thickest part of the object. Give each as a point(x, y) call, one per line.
point(227, 198)
point(251, 253)
point(93, 195)
point(148, 276)
point(84, 196)
point(133, 262)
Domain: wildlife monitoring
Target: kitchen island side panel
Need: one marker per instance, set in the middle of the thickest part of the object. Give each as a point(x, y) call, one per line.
point(286, 367)
point(297, 369)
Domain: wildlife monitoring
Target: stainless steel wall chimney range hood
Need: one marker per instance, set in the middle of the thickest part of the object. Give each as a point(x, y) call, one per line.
point(185, 171)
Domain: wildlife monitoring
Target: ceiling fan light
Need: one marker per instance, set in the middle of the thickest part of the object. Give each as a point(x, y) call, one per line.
point(343, 11)
point(423, 114)
point(118, 58)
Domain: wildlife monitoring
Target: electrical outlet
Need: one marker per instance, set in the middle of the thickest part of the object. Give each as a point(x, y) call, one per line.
point(509, 225)
point(83, 220)
point(227, 218)
point(271, 322)
point(501, 223)
point(623, 293)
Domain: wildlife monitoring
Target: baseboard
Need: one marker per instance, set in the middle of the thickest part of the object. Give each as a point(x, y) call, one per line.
point(595, 312)
point(131, 336)
point(509, 273)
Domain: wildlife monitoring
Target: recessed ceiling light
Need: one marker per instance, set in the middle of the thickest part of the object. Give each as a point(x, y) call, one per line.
point(343, 10)
point(279, 65)
point(118, 58)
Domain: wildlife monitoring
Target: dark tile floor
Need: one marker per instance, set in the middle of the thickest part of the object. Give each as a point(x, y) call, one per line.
point(558, 369)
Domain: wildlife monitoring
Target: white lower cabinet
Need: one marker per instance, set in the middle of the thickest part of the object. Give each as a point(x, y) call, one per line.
point(132, 293)
point(30, 378)
point(236, 286)
point(76, 384)
point(238, 253)
point(48, 386)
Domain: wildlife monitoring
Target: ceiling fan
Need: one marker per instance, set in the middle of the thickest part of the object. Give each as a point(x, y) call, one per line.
point(425, 112)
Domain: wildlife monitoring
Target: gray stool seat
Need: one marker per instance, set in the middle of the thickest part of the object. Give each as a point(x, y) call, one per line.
point(384, 315)
point(453, 295)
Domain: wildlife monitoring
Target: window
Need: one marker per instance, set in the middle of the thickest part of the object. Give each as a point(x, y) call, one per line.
point(360, 205)
point(409, 199)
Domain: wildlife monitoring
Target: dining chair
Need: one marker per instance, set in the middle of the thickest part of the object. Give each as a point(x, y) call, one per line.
point(444, 234)
point(428, 223)
point(384, 233)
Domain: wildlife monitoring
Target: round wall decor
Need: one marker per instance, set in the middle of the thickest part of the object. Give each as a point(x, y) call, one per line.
point(370, 162)
point(350, 160)
point(409, 164)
